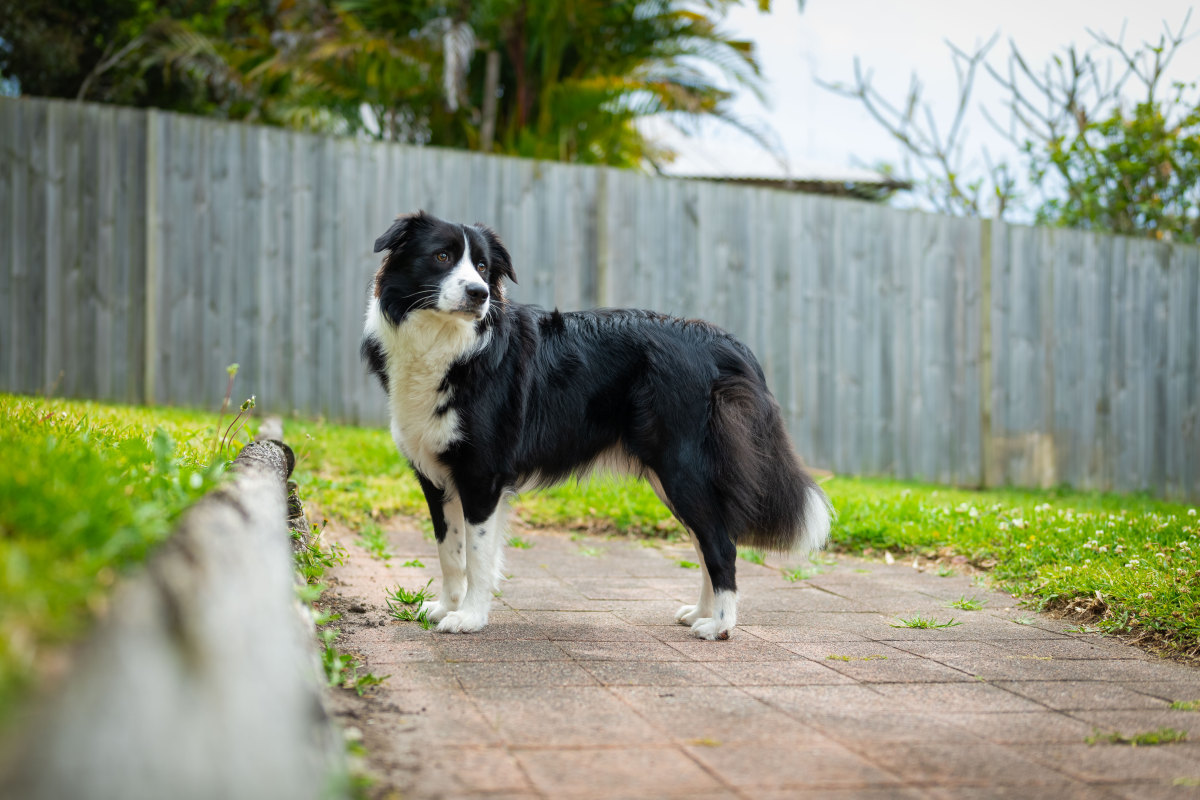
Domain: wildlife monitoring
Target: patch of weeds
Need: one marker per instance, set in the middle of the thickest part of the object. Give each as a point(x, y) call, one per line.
point(1025, 620)
point(917, 621)
point(834, 657)
point(313, 560)
point(310, 593)
point(823, 560)
point(374, 541)
point(519, 543)
point(590, 552)
point(1147, 739)
point(400, 596)
point(1186, 780)
point(416, 562)
point(753, 556)
point(704, 742)
point(967, 603)
point(1186, 705)
point(945, 571)
point(799, 574)
point(688, 564)
point(1081, 628)
point(341, 669)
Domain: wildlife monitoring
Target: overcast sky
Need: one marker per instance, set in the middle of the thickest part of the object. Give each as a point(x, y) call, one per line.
point(823, 133)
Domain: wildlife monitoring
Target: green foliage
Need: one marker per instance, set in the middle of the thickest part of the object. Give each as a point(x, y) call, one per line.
point(1129, 563)
point(752, 555)
point(917, 621)
point(416, 562)
point(409, 597)
point(342, 670)
point(86, 492)
point(1147, 739)
point(571, 78)
point(965, 603)
point(1133, 172)
point(372, 539)
point(519, 543)
point(688, 564)
point(1186, 705)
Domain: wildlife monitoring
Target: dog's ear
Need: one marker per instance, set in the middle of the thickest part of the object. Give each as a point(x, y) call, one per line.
point(501, 260)
point(395, 234)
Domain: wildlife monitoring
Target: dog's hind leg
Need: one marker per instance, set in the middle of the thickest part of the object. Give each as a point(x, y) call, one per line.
point(692, 501)
point(445, 510)
point(484, 530)
point(688, 615)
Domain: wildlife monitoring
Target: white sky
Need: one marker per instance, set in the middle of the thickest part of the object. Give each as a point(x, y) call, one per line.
point(823, 133)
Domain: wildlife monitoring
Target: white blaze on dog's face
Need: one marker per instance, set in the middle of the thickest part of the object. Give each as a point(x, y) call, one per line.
point(464, 290)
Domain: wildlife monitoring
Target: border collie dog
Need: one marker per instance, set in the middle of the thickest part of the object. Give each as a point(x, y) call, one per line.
point(489, 397)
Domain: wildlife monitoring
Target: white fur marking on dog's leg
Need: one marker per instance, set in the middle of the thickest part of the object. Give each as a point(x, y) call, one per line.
point(687, 615)
point(722, 620)
point(483, 562)
point(453, 557)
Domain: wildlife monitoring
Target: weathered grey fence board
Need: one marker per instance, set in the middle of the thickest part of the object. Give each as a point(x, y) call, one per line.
point(144, 252)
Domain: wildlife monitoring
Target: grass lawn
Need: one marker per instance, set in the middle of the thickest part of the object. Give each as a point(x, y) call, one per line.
point(1127, 564)
point(86, 491)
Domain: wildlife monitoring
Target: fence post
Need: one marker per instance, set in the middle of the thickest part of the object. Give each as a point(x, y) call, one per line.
point(150, 342)
point(987, 472)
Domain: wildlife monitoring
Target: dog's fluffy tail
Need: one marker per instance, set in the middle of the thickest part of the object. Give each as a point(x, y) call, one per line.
point(770, 500)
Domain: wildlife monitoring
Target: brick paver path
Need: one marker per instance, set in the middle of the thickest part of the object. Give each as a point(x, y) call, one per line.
point(582, 686)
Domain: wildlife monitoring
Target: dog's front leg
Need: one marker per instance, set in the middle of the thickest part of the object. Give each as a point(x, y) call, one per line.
point(445, 510)
point(484, 530)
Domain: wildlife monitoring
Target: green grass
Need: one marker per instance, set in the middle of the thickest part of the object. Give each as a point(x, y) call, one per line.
point(917, 621)
point(1147, 739)
point(965, 603)
point(372, 539)
point(1186, 705)
point(1126, 564)
point(86, 492)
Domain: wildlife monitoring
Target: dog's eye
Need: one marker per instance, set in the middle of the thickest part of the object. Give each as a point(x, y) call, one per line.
point(443, 256)
point(482, 267)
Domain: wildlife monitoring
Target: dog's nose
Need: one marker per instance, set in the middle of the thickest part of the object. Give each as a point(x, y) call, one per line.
point(477, 294)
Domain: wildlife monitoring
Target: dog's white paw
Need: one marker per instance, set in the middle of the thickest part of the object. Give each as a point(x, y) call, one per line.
point(434, 610)
point(709, 628)
point(462, 621)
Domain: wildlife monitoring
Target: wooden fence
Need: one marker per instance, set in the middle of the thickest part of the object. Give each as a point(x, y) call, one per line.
point(143, 252)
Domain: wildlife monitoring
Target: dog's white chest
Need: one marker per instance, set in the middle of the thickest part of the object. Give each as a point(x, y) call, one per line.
point(418, 354)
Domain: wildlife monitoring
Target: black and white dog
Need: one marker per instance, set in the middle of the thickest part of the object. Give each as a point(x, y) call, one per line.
point(490, 397)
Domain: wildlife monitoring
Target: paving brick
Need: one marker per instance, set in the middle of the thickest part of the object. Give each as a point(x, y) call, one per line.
point(1023, 727)
point(465, 647)
point(584, 626)
point(961, 763)
point(475, 674)
point(576, 716)
point(617, 771)
point(714, 714)
point(736, 648)
point(1075, 695)
point(753, 765)
point(1109, 763)
point(621, 651)
point(653, 673)
point(952, 697)
point(799, 672)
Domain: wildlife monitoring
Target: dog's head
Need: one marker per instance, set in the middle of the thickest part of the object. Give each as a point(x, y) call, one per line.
point(440, 266)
